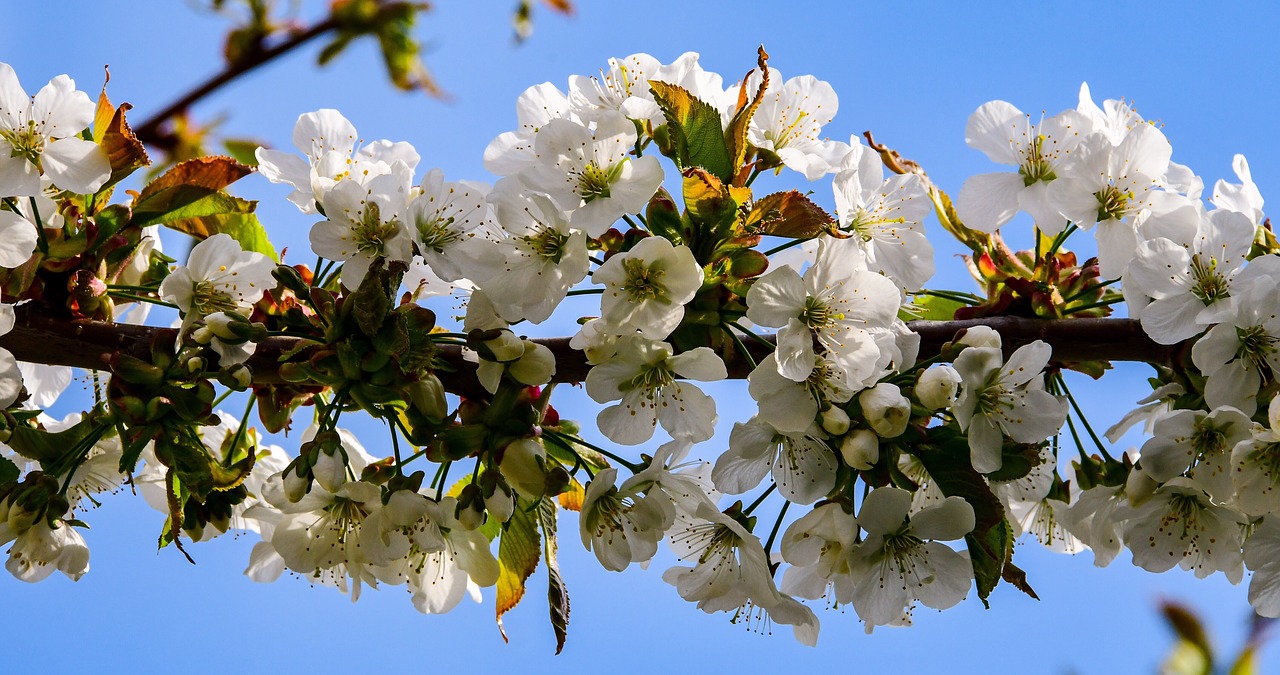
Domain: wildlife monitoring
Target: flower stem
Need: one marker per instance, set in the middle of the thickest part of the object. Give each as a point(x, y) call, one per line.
point(1089, 290)
point(1062, 384)
point(759, 500)
point(747, 332)
point(1092, 305)
point(773, 534)
point(742, 349)
point(782, 247)
point(141, 298)
point(634, 468)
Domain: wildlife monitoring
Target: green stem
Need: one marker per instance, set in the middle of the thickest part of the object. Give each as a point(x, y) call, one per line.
point(782, 247)
point(141, 298)
point(630, 222)
point(1061, 239)
point(1062, 383)
point(1092, 305)
point(240, 431)
point(41, 241)
point(634, 468)
point(80, 452)
point(742, 349)
point(585, 291)
point(759, 500)
point(954, 296)
point(773, 534)
point(747, 332)
point(395, 441)
point(1089, 290)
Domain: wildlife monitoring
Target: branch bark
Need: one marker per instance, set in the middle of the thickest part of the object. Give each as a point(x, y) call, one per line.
point(38, 338)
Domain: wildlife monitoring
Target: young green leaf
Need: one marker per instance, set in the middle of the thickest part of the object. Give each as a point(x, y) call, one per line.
point(695, 129)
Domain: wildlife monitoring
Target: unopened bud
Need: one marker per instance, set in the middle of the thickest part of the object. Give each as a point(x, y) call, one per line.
point(428, 397)
point(523, 466)
point(937, 387)
point(536, 366)
point(506, 347)
point(1139, 487)
point(980, 336)
point(861, 449)
point(297, 482)
point(835, 420)
point(885, 409)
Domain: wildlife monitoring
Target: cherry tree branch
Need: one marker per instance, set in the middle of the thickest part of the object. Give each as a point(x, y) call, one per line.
point(149, 131)
point(39, 338)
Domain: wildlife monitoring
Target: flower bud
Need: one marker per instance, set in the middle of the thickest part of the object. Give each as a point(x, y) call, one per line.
point(885, 409)
point(297, 482)
point(428, 397)
point(536, 366)
point(499, 500)
point(203, 335)
point(1139, 487)
point(980, 336)
point(835, 420)
point(330, 470)
point(469, 509)
point(938, 386)
point(523, 466)
point(506, 347)
point(861, 449)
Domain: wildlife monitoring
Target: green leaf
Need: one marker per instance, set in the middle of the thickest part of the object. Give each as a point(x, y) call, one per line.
point(371, 303)
point(1193, 655)
point(191, 464)
point(47, 448)
point(189, 198)
point(518, 552)
point(243, 150)
point(557, 593)
point(694, 126)
point(9, 472)
point(663, 217)
point(991, 541)
point(935, 308)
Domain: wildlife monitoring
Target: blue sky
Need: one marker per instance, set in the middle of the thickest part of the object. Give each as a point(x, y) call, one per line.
point(910, 72)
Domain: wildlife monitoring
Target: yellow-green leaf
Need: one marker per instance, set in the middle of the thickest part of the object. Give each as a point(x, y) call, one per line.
point(735, 135)
point(695, 130)
point(519, 549)
point(571, 499)
point(116, 138)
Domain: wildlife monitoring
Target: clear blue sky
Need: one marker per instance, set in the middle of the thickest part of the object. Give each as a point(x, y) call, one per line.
point(911, 72)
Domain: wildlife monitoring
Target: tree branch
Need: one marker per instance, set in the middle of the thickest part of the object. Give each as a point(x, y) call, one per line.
point(39, 338)
point(149, 131)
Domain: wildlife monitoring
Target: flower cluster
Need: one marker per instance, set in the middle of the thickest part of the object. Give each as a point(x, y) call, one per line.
point(894, 455)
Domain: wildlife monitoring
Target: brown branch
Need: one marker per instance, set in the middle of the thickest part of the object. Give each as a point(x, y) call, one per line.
point(149, 131)
point(39, 338)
